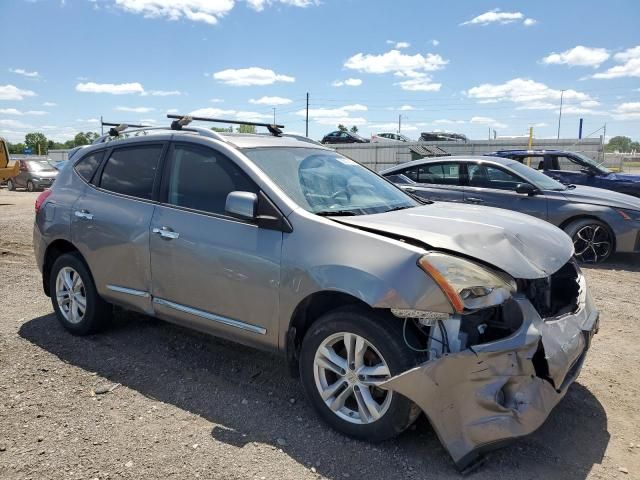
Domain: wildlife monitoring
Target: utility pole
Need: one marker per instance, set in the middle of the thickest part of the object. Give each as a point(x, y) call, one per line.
point(580, 130)
point(307, 121)
point(101, 126)
point(560, 115)
point(399, 123)
point(274, 115)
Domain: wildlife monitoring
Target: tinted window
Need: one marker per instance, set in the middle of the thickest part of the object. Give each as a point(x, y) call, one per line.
point(131, 171)
point(566, 163)
point(492, 177)
point(88, 165)
point(201, 178)
point(440, 174)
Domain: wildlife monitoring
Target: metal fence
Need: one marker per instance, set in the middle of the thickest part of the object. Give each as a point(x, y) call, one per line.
point(379, 156)
point(623, 162)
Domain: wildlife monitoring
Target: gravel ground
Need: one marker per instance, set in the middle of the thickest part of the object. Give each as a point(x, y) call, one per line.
point(184, 405)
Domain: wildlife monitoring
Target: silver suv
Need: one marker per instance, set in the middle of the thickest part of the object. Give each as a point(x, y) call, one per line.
point(386, 305)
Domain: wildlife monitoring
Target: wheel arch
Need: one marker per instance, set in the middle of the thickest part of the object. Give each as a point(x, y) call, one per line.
point(577, 218)
point(53, 251)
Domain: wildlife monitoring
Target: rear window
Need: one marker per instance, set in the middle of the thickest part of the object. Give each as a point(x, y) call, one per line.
point(131, 171)
point(87, 167)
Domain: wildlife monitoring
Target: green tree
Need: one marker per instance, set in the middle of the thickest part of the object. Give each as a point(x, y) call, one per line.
point(84, 138)
point(15, 148)
point(222, 130)
point(621, 144)
point(37, 142)
point(354, 129)
point(342, 128)
point(246, 129)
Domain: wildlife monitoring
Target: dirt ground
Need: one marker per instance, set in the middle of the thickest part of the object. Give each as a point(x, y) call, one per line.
point(189, 406)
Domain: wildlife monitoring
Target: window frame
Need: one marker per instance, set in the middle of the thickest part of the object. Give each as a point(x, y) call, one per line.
point(163, 188)
point(97, 177)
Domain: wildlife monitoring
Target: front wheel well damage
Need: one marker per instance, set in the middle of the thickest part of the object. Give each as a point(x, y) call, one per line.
point(54, 250)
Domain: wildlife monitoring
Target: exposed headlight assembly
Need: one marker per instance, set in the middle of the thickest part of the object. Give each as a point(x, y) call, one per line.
point(467, 285)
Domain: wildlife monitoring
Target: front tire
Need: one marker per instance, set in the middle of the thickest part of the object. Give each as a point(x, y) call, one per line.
point(30, 186)
point(75, 300)
point(10, 185)
point(593, 241)
point(344, 356)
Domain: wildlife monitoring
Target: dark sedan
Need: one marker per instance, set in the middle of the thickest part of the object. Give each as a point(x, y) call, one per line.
point(340, 136)
point(598, 221)
point(575, 168)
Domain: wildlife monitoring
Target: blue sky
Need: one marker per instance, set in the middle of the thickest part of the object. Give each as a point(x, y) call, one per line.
point(465, 66)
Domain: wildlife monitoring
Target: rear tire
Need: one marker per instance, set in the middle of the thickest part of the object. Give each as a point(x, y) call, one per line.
point(75, 300)
point(11, 186)
point(344, 394)
point(593, 240)
point(30, 186)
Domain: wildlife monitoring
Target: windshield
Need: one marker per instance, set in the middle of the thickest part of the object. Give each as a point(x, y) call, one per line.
point(536, 177)
point(592, 163)
point(39, 166)
point(325, 182)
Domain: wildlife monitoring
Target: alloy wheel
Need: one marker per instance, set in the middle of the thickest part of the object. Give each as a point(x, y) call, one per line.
point(592, 243)
point(348, 371)
point(71, 295)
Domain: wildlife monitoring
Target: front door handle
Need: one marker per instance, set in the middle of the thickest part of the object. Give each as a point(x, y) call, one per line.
point(83, 214)
point(166, 232)
point(474, 200)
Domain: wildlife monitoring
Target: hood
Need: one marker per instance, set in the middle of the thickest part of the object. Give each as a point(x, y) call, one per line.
point(518, 244)
point(600, 196)
point(623, 177)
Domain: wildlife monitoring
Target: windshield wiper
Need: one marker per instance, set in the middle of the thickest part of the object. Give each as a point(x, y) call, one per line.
point(336, 213)
point(395, 209)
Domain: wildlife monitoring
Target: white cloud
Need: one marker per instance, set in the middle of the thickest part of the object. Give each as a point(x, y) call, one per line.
point(627, 111)
point(349, 82)
point(11, 92)
point(112, 88)
point(172, 111)
point(161, 93)
point(446, 121)
point(422, 83)
point(274, 101)
point(395, 61)
point(134, 109)
point(528, 22)
point(231, 114)
point(207, 11)
point(578, 56)
point(216, 100)
point(14, 111)
point(335, 116)
point(630, 67)
point(49, 104)
point(400, 45)
point(406, 108)
point(487, 121)
point(495, 16)
point(259, 5)
point(91, 121)
point(244, 77)
point(24, 73)
point(10, 123)
point(527, 94)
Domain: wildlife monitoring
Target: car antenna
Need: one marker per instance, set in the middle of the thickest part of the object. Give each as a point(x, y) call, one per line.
point(183, 120)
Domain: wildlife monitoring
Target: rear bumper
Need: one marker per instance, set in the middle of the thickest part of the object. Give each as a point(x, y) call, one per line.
point(478, 399)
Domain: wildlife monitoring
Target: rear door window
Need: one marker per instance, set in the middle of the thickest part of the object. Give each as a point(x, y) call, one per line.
point(439, 174)
point(87, 167)
point(486, 176)
point(132, 170)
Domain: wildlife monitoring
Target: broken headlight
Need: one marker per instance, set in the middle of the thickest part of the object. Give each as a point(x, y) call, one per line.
point(467, 285)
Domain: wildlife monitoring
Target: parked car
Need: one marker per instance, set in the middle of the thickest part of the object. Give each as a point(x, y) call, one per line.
point(33, 175)
point(442, 137)
point(385, 305)
point(575, 168)
point(340, 136)
point(598, 221)
point(389, 138)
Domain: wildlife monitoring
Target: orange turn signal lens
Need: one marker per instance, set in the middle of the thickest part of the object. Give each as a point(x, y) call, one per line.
point(446, 287)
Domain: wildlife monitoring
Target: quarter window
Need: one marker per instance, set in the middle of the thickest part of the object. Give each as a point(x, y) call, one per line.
point(131, 171)
point(88, 165)
point(201, 178)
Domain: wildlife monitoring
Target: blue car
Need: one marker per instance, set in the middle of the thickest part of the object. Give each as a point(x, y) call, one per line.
point(573, 168)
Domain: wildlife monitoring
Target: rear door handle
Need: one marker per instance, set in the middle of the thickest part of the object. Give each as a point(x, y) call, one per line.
point(474, 200)
point(83, 214)
point(166, 232)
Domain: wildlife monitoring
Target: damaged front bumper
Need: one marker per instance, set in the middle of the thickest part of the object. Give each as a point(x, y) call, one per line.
point(481, 397)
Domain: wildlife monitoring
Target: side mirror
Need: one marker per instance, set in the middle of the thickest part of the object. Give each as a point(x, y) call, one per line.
point(526, 189)
point(242, 205)
point(588, 171)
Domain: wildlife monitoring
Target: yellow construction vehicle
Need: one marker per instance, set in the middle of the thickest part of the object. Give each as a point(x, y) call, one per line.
point(6, 170)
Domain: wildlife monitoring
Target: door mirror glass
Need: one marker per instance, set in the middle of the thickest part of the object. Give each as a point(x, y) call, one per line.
point(526, 189)
point(242, 205)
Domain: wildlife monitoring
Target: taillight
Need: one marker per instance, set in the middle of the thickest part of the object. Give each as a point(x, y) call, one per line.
point(41, 199)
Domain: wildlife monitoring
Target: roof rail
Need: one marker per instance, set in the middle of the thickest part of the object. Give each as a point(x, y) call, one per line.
point(184, 120)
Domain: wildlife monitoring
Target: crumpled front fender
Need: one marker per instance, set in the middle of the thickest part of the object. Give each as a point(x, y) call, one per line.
point(480, 397)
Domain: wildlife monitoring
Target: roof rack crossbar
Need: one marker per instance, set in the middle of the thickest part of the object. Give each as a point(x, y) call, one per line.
point(183, 120)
